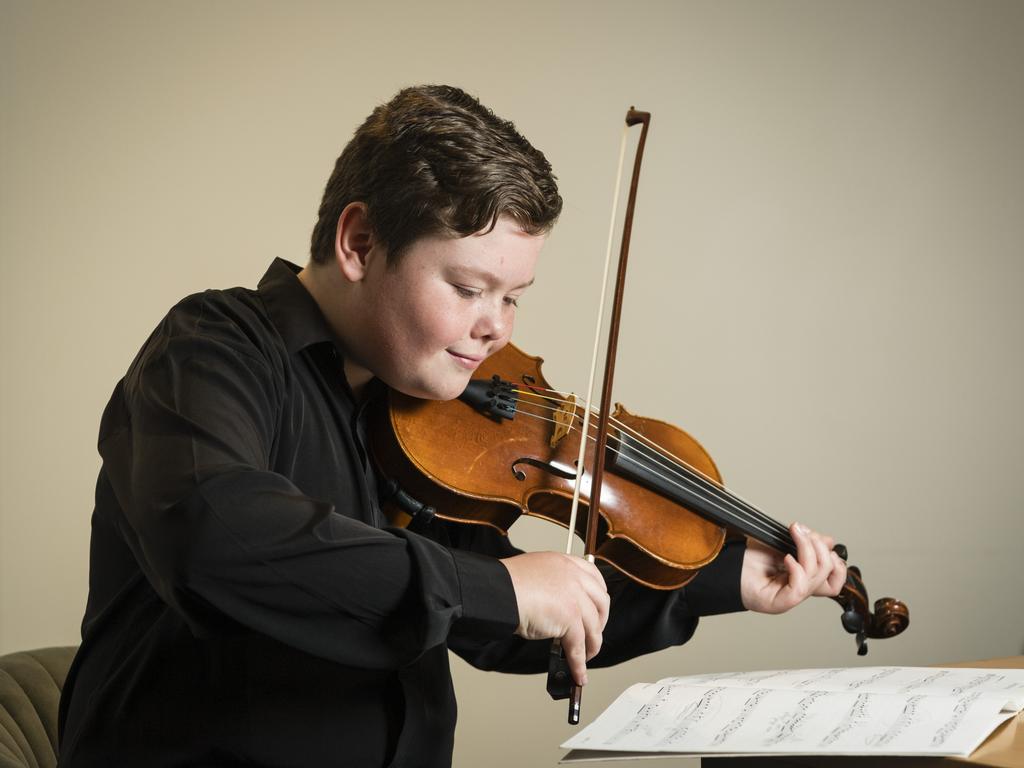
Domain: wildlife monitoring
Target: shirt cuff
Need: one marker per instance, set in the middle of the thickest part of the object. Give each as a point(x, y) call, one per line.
point(716, 589)
point(489, 607)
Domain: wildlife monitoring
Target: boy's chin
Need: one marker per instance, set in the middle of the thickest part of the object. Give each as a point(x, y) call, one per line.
point(449, 389)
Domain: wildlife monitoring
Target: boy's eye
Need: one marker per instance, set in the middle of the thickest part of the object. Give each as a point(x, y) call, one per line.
point(466, 293)
point(512, 301)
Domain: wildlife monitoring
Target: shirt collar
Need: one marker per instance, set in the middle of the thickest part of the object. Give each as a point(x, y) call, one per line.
point(291, 308)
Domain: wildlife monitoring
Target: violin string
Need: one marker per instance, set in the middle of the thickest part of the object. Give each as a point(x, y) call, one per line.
point(715, 494)
point(776, 536)
point(773, 538)
point(662, 457)
point(659, 452)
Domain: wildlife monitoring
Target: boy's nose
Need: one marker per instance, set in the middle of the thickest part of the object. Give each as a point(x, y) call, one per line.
point(492, 323)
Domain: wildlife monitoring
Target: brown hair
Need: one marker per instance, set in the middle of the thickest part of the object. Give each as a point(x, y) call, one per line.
point(434, 160)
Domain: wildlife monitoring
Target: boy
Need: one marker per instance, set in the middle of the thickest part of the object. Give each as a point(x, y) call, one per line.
point(247, 605)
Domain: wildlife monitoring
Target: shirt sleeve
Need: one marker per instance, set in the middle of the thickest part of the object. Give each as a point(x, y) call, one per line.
point(641, 620)
point(186, 443)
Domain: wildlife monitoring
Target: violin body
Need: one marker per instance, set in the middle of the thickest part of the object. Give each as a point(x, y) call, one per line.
point(476, 469)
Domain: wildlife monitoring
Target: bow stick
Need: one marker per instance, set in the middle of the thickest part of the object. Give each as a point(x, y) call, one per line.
point(558, 674)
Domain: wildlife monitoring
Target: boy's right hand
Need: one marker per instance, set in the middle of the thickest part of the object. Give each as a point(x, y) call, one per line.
point(561, 596)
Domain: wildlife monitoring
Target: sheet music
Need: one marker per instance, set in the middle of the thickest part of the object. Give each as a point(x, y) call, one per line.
point(842, 711)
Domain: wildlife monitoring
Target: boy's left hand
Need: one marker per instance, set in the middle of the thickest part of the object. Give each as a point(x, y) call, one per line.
point(770, 583)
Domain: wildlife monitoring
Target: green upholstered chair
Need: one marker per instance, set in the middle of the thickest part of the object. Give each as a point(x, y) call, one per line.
point(30, 685)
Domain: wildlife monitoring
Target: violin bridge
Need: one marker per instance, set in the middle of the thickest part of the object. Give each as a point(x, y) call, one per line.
point(564, 416)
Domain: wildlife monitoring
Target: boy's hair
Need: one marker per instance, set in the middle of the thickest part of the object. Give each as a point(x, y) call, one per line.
point(434, 160)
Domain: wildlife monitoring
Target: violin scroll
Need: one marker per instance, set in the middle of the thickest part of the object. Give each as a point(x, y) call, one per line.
point(890, 617)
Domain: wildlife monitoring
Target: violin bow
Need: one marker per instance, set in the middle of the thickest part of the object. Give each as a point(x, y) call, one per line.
point(559, 681)
point(890, 616)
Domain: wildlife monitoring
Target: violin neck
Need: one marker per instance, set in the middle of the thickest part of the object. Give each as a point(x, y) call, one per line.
point(689, 488)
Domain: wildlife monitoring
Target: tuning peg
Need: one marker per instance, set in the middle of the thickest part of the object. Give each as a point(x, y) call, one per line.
point(853, 622)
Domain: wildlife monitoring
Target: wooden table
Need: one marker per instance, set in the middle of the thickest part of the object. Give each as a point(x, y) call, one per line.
point(1003, 749)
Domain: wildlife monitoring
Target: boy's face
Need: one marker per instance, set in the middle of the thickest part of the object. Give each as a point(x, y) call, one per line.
point(446, 306)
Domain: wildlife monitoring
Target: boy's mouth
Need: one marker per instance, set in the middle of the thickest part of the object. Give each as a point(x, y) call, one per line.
point(466, 361)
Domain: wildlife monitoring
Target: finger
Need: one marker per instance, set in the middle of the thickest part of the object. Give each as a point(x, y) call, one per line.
point(796, 586)
point(592, 627)
point(599, 598)
point(833, 577)
point(805, 552)
point(593, 584)
point(837, 578)
point(592, 572)
point(574, 648)
point(828, 544)
point(823, 558)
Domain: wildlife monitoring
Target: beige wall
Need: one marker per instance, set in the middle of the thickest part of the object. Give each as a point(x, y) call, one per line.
point(825, 278)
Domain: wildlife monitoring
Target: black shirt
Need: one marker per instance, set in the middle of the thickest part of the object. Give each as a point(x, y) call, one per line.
point(247, 606)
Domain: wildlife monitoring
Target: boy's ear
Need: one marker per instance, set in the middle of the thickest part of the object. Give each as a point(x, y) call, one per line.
point(353, 240)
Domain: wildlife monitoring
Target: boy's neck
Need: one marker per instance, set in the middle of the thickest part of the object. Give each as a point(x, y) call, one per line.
point(317, 280)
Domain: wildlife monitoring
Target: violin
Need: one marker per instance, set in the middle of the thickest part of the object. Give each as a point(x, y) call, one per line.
point(511, 445)
point(508, 447)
